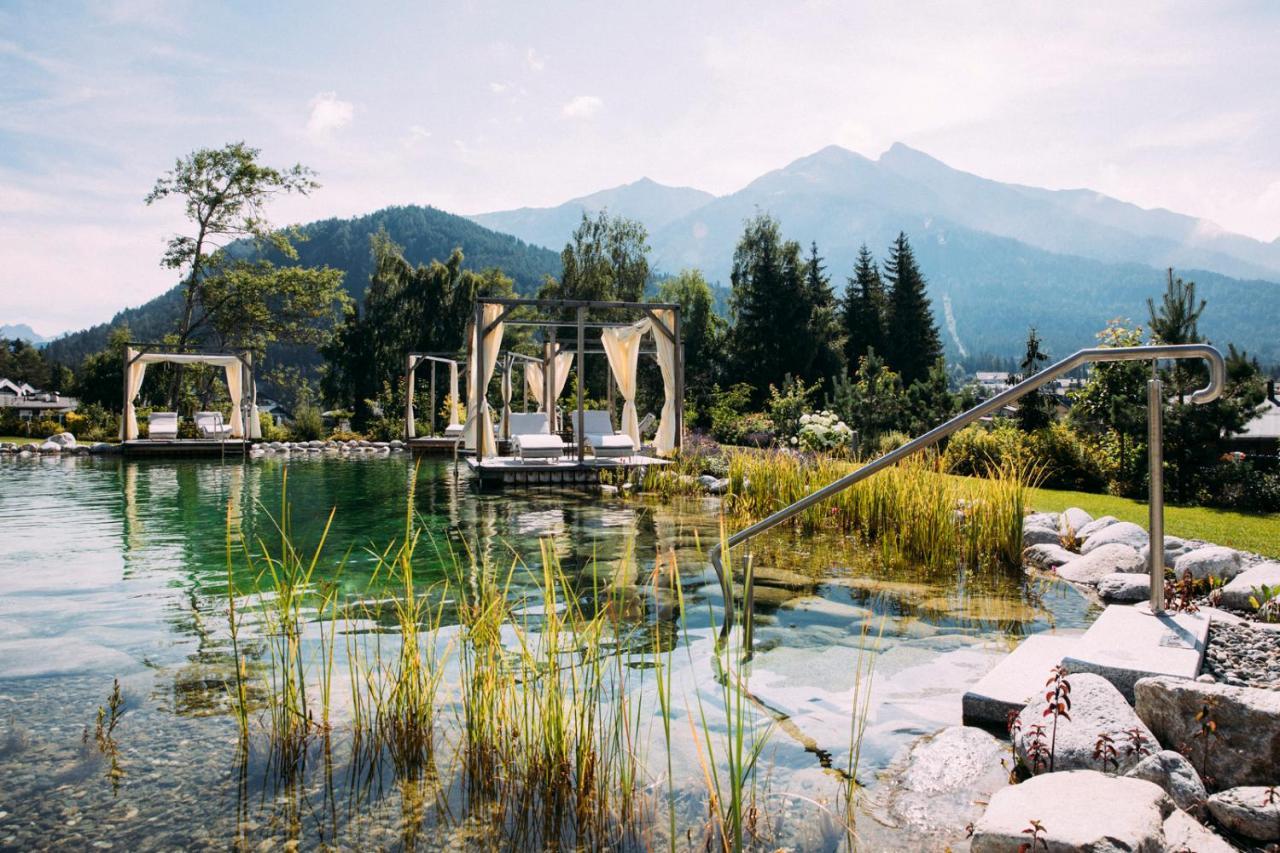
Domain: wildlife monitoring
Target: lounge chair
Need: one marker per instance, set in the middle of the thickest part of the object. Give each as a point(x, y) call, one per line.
point(210, 425)
point(162, 425)
point(454, 431)
point(530, 439)
point(597, 429)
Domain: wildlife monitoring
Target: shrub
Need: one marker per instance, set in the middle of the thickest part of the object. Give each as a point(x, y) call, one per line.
point(786, 408)
point(307, 423)
point(732, 424)
point(890, 442)
point(823, 431)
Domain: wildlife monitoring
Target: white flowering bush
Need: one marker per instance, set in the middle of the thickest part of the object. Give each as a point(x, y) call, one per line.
point(822, 431)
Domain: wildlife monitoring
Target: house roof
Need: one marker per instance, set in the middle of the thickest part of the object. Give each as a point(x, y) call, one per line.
point(1266, 424)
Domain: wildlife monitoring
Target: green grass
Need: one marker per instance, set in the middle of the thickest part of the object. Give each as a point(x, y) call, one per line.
point(1249, 531)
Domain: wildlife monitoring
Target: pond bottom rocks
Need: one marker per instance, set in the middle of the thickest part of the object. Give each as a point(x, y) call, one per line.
point(1243, 655)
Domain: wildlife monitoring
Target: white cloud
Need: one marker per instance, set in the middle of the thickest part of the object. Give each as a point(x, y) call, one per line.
point(583, 106)
point(328, 114)
point(498, 88)
point(536, 63)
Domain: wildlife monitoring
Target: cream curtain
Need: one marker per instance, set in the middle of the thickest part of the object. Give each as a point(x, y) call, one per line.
point(255, 422)
point(409, 428)
point(533, 379)
point(138, 370)
point(665, 441)
point(505, 428)
point(454, 402)
point(480, 408)
point(234, 381)
point(622, 348)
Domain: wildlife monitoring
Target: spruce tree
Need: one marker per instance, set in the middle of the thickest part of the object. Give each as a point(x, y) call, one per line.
point(912, 343)
point(1035, 410)
point(863, 310)
point(825, 341)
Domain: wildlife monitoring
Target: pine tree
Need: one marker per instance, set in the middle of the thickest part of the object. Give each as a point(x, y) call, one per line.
point(1035, 410)
point(863, 309)
point(1177, 321)
point(912, 343)
point(825, 341)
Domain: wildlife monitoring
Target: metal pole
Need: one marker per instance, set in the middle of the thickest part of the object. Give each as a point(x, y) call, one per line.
point(581, 388)
point(1155, 495)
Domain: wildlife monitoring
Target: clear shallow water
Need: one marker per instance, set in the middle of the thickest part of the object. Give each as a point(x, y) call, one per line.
point(112, 568)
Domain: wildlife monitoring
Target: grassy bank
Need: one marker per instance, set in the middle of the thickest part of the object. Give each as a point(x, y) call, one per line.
point(1248, 531)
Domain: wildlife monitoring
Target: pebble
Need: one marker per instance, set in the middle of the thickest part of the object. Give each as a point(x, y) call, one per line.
point(1243, 655)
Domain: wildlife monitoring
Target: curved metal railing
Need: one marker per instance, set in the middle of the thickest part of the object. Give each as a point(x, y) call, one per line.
point(1217, 381)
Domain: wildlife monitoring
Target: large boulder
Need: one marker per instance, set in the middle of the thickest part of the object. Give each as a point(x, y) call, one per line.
point(1099, 562)
point(1122, 532)
point(1253, 811)
point(1041, 519)
point(51, 447)
point(1082, 810)
point(1096, 525)
point(1125, 587)
point(1213, 561)
point(1097, 708)
point(1074, 520)
point(1173, 772)
point(64, 439)
point(1242, 587)
point(942, 782)
point(1047, 557)
point(1035, 535)
point(1244, 750)
point(1182, 832)
point(1173, 549)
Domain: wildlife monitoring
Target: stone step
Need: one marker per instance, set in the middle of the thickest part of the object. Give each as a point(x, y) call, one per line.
point(1016, 679)
point(1128, 643)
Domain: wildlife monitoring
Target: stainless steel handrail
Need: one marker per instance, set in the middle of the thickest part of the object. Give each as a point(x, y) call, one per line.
point(1209, 393)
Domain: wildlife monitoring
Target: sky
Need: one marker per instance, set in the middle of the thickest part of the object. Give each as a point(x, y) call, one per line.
point(472, 107)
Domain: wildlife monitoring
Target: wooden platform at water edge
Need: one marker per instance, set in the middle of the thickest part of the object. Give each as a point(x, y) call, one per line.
point(186, 447)
point(509, 471)
point(435, 445)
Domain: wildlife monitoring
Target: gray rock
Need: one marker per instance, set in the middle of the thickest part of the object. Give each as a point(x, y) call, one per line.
point(64, 439)
point(1082, 810)
point(1125, 587)
point(1040, 536)
point(1122, 532)
point(1041, 519)
point(1092, 566)
point(1047, 557)
point(1074, 520)
point(1173, 549)
point(1252, 811)
point(1097, 707)
point(943, 782)
point(1182, 832)
point(1096, 525)
point(51, 447)
point(1239, 589)
point(1173, 772)
point(1246, 748)
point(1213, 561)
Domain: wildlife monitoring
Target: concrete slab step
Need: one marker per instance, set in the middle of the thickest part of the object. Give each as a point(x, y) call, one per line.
point(1016, 679)
point(1128, 643)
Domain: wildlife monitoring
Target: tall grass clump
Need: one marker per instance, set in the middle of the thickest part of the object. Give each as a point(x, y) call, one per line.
point(913, 511)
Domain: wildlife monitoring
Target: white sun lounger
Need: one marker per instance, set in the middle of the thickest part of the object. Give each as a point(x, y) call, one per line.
point(530, 439)
point(163, 425)
point(210, 425)
point(604, 442)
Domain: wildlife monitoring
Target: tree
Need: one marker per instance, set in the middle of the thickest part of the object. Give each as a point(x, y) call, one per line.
point(872, 401)
point(1177, 321)
point(1111, 400)
point(929, 401)
point(824, 337)
point(235, 301)
point(912, 345)
point(605, 259)
point(863, 309)
point(702, 331)
point(21, 362)
point(1035, 410)
point(100, 379)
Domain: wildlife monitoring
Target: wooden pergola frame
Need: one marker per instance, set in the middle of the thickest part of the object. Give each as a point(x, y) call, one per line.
point(580, 325)
point(411, 367)
point(135, 350)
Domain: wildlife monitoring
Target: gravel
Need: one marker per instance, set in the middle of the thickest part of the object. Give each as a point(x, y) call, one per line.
point(1243, 655)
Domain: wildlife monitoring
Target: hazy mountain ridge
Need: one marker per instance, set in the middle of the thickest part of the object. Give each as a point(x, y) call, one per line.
point(22, 332)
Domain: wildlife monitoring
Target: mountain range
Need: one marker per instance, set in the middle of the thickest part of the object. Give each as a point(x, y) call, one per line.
point(21, 332)
point(999, 257)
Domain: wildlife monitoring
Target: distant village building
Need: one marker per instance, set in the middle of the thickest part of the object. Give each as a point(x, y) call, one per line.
point(30, 403)
point(1262, 434)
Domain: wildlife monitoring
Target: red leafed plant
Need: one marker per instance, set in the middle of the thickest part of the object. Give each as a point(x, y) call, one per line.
point(1058, 700)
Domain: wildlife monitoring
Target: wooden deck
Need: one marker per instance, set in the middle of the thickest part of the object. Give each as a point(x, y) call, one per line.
point(436, 445)
point(185, 447)
point(509, 471)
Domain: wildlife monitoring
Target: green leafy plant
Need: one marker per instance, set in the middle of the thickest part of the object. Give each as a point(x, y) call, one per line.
point(1266, 600)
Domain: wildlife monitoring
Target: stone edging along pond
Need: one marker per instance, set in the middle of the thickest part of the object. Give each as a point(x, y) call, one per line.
point(66, 444)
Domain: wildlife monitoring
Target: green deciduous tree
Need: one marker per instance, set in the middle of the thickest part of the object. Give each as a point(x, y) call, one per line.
point(872, 401)
point(1111, 401)
point(605, 259)
point(703, 333)
point(912, 344)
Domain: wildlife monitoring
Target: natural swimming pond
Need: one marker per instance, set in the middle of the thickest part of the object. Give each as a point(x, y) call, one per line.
point(112, 568)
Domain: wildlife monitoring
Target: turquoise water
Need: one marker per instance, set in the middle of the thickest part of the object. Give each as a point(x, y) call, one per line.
point(118, 569)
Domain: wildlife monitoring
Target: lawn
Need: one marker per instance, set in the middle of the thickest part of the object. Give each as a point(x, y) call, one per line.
point(1248, 531)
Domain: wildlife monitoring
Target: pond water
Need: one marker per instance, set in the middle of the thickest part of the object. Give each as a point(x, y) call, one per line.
point(118, 569)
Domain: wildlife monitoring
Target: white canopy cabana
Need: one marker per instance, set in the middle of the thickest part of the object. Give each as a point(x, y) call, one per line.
point(414, 359)
point(239, 373)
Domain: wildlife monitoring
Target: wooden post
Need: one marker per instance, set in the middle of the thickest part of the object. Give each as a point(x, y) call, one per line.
point(581, 386)
point(432, 424)
point(608, 386)
point(478, 365)
point(548, 374)
point(408, 395)
point(124, 412)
